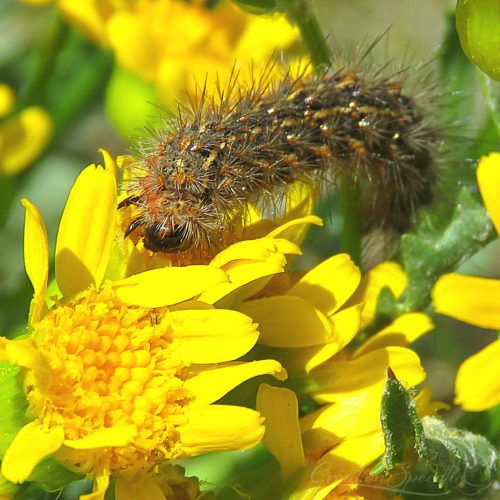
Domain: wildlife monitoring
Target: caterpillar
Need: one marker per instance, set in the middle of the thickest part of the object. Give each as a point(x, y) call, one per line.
point(251, 142)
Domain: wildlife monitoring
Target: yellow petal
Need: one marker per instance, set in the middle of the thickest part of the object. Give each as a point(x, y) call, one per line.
point(470, 299)
point(245, 281)
point(325, 428)
point(139, 486)
point(212, 336)
point(31, 445)
point(346, 324)
point(425, 404)
point(36, 257)
point(134, 44)
point(99, 486)
point(7, 99)
point(263, 35)
point(23, 138)
point(210, 383)
point(104, 438)
point(344, 462)
point(249, 250)
point(220, 428)
point(23, 353)
point(89, 17)
point(386, 274)
point(86, 231)
point(488, 178)
point(287, 321)
point(306, 359)
point(401, 332)
point(168, 285)
point(109, 161)
point(283, 231)
point(282, 438)
point(338, 380)
point(329, 284)
point(477, 385)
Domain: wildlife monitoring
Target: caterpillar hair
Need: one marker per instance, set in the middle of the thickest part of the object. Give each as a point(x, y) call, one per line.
point(248, 143)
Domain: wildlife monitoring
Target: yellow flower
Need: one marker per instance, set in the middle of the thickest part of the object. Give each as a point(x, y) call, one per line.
point(23, 136)
point(174, 44)
point(121, 375)
point(477, 301)
point(311, 326)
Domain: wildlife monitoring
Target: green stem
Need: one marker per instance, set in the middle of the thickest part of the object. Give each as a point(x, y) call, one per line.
point(352, 223)
point(303, 16)
point(491, 102)
point(45, 62)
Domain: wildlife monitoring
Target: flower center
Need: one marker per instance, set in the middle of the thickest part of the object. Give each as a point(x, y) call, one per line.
point(113, 365)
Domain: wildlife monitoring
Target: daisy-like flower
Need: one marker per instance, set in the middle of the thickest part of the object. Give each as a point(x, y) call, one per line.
point(311, 326)
point(23, 136)
point(477, 301)
point(121, 375)
point(167, 42)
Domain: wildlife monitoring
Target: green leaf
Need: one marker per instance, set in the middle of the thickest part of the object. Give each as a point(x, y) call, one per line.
point(13, 404)
point(50, 475)
point(457, 75)
point(399, 421)
point(430, 253)
point(459, 461)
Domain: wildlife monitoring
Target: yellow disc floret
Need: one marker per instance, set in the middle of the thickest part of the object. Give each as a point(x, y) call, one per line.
point(112, 365)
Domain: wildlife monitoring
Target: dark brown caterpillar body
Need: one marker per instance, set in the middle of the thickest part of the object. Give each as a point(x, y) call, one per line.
point(251, 143)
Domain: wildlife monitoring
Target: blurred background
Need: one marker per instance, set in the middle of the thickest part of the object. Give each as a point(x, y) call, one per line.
point(74, 80)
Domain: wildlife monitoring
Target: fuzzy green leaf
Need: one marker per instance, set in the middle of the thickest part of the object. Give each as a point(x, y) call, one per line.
point(459, 461)
point(429, 254)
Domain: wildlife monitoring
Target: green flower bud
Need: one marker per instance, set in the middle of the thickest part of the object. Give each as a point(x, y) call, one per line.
point(478, 26)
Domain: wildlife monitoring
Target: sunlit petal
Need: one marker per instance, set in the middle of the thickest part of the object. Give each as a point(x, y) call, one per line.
point(213, 336)
point(386, 274)
point(36, 257)
point(86, 231)
point(104, 438)
point(344, 462)
point(210, 383)
point(288, 321)
point(220, 428)
point(404, 330)
point(470, 299)
point(338, 380)
point(488, 178)
point(477, 385)
point(31, 445)
point(168, 285)
point(329, 284)
point(279, 407)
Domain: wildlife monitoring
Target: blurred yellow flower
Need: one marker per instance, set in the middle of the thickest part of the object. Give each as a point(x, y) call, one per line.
point(175, 44)
point(121, 375)
point(477, 301)
point(23, 136)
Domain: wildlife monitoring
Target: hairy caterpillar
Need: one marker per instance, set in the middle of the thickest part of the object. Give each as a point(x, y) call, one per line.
point(251, 142)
